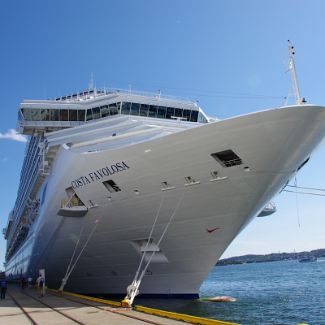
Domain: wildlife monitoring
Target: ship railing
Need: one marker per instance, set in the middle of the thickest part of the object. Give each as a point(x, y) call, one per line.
point(22, 200)
point(118, 91)
point(23, 228)
point(31, 164)
point(28, 185)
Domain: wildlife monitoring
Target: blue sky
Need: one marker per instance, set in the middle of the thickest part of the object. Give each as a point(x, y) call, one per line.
point(229, 55)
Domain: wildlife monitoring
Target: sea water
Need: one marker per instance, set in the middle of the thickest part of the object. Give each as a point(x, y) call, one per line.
point(286, 292)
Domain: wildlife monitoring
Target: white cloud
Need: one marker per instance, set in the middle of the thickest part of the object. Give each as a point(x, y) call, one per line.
point(12, 134)
point(4, 159)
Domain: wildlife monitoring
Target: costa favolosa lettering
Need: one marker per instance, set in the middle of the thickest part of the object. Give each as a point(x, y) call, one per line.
point(99, 174)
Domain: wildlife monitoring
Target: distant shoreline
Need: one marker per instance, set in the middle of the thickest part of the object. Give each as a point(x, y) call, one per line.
point(273, 257)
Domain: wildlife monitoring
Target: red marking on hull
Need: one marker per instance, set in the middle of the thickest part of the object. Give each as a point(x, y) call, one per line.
point(211, 230)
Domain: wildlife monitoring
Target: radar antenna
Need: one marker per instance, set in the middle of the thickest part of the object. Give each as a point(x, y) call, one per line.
point(294, 79)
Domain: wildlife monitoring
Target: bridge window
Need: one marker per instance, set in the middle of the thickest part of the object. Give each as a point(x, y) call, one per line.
point(194, 116)
point(81, 115)
point(35, 115)
point(170, 112)
point(73, 115)
point(153, 111)
point(27, 114)
point(114, 108)
point(54, 114)
point(178, 112)
point(45, 116)
point(89, 115)
point(104, 111)
point(126, 108)
point(64, 115)
point(96, 113)
point(144, 109)
point(135, 107)
point(202, 119)
point(161, 112)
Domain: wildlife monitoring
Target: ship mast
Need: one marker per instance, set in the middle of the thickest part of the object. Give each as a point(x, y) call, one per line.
point(294, 78)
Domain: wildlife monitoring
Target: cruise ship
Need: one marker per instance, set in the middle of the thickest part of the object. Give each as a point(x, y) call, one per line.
point(119, 186)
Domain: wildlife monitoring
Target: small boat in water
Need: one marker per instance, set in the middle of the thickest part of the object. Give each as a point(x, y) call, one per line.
point(307, 259)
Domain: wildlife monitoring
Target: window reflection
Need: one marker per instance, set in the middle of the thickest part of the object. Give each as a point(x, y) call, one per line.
point(73, 115)
point(96, 113)
point(114, 108)
point(170, 112)
point(89, 115)
point(194, 115)
point(104, 111)
point(144, 109)
point(135, 108)
point(64, 115)
point(178, 112)
point(187, 114)
point(54, 114)
point(161, 112)
point(45, 115)
point(81, 115)
point(153, 111)
point(126, 108)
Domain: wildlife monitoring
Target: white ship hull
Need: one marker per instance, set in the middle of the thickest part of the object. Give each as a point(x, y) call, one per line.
point(272, 145)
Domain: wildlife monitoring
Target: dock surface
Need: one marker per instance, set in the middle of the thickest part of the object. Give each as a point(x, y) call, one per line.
point(25, 307)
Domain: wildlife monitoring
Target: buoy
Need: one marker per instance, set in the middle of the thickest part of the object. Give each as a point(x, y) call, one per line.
point(220, 299)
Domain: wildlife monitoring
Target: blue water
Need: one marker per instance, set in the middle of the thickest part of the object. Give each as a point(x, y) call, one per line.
point(283, 293)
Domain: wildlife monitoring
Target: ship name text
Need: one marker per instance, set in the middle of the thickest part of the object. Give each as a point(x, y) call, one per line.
point(99, 174)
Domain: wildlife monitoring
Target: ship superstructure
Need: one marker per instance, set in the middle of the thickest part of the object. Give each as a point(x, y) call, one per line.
point(100, 166)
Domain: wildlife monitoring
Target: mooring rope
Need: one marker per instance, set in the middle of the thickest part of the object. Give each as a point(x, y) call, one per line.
point(71, 267)
point(133, 288)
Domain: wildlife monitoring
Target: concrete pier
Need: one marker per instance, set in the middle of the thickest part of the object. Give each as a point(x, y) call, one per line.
point(24, 306)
